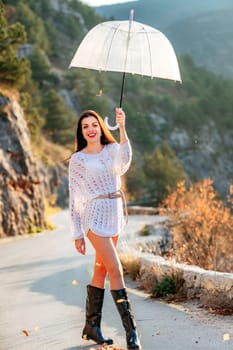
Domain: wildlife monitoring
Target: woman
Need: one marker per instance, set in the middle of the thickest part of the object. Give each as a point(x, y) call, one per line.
point(97, 211)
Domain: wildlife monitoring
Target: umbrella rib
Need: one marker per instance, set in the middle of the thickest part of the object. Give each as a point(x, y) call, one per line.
point(149, 46)
point(110, 46)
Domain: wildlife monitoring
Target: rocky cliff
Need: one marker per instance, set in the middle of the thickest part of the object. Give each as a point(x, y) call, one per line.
point(205, 154)
point(21, 181)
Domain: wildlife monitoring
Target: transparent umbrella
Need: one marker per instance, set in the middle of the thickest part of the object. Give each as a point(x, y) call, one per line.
point(127, 47)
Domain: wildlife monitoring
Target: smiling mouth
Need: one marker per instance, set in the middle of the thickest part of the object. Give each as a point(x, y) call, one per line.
point(92, 134)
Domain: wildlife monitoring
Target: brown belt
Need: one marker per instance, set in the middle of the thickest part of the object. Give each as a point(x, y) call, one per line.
point(117, 194)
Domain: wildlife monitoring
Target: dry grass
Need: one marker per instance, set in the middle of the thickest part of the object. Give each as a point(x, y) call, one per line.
point(131, 265)
point(50, 153)
point(201, 226)
point(50, 206)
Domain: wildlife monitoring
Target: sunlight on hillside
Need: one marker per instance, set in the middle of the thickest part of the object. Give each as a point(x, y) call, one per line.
point(50, 153)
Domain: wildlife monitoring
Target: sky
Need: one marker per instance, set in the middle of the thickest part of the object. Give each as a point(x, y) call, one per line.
point(103, 2)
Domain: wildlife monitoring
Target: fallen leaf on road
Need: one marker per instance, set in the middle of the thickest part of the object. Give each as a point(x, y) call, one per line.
point(25, 332)
point(106, 347)
point(74, 283)
point(226, 337)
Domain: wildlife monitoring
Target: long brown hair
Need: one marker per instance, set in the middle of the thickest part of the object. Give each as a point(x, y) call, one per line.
point(105, 138)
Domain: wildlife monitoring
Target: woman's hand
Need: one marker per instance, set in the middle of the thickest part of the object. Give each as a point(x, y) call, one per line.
point(120, 120)
point(80, 245)
point(120, 117)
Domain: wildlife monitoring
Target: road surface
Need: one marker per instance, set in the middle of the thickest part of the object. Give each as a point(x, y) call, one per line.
point(42, 297)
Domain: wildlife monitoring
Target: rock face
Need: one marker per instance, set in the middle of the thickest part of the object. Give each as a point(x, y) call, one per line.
point(206, 154)
point(21, 185)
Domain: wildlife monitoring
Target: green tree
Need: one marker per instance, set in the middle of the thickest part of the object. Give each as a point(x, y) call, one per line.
point(88, 14)
point(136, 180)
point(40, 65)
point(41, 68)
point(87, 87)
point(53, 37)
point(59, 119)
point(34, 114)
point(34, 26)
point(13, 70)
point(163, 171)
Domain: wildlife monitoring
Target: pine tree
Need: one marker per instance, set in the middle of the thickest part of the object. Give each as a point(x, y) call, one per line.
point(163, 171)
point(13, 70)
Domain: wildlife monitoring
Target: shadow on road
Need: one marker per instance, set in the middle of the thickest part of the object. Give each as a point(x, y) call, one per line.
point(36, 264)
point(67, 286)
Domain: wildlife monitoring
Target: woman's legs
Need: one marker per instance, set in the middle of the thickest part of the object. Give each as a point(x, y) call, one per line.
point(107, 261)
point(95, 291)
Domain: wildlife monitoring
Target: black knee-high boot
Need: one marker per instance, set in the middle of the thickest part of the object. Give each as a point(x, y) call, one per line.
point(94, 303)
point(124, 308)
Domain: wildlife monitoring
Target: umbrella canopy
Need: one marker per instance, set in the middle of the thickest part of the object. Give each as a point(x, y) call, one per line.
point(144, 50)
point(127, 47)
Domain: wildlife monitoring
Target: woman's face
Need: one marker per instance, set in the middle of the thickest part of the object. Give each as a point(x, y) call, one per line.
point(91, 129)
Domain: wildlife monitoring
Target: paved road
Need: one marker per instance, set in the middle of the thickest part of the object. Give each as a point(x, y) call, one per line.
point(37, 295)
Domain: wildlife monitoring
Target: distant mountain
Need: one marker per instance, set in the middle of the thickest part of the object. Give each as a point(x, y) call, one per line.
point(200, 28)
point(208, 40)
point(162, 13)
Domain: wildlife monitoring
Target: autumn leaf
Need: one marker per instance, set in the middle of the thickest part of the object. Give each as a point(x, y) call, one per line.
point(226, 337)
point(25, 332)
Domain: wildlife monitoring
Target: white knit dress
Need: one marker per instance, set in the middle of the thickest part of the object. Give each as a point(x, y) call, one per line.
point(92, 175)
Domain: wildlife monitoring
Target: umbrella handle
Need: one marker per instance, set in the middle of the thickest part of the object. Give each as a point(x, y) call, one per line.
point(112, 128)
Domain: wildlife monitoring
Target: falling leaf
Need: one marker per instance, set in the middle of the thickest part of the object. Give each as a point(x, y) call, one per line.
point(99, 93)
point(25, 332)
point(226, 337)
point(74, 283)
